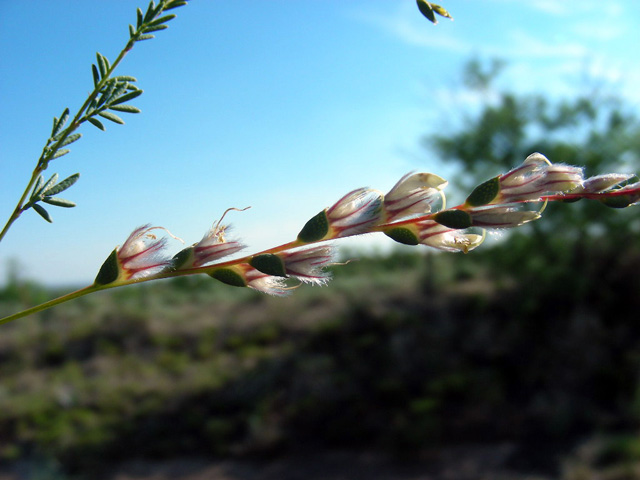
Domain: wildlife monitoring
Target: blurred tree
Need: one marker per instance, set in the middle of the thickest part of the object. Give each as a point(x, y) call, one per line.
point(593, 129)
point(590, 129)
point(564, 289)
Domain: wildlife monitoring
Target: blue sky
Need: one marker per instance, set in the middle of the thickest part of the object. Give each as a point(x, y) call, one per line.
point(283, 105)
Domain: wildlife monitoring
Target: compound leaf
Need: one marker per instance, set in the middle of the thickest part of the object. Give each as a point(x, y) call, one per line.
point(126, 97)
point(42, 212)
point(103, 64)
point(96, 123)
point(58, 123)
point(155, 28)
point(62, 186)
point(74, 137)
point(60, 153)
point(58, 202)
point(111, 116)
point(125, 108)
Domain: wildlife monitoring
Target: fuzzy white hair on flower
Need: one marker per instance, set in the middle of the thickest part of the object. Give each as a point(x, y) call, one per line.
point(141, 255)
point(213, 246)
point(308, 265)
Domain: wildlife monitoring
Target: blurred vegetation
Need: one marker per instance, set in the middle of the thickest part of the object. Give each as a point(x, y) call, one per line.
point(408, 352)
point(533, 341)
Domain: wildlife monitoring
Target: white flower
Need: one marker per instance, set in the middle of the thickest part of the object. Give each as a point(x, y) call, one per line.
point(438, 236)
point(600, 183)
point(212, 247)
point(307, 265)
point(535, 178)
point(141, 254)
point(501, 216)
point(355, 213)
point(413, 194)
point(264, 283)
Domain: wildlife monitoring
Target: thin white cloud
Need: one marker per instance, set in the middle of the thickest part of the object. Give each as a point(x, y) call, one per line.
point(552, 7)
point(563, 8)
point(573, 49)
point(410, 28)
point(405, 25)
point(524, 44)
point(601, 32)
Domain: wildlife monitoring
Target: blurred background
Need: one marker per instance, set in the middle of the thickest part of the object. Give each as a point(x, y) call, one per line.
point(518, 360)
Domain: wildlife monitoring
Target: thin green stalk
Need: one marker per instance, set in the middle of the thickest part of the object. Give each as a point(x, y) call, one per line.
point(166, 274)
point(18, 210)
point(53, 303)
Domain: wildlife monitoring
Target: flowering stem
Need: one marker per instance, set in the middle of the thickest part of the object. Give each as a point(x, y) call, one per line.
point(167, 274)
point(498, 216)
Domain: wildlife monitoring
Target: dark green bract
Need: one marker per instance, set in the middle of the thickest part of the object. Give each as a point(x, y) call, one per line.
point(269, 263)
point(315, 229)
point(110, 270)
point(403, 235)
point(181, 258)
point(621, 201)
point(230, 277)
point(484, 193)
point(453, 219)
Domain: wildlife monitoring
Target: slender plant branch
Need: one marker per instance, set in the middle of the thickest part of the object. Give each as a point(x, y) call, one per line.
point(48, 153)
point(113, 90)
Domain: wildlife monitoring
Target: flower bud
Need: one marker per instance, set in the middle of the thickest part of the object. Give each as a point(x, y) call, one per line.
point(404, 234)
point(269, 263)
point(453, 218)
point(484, 193)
